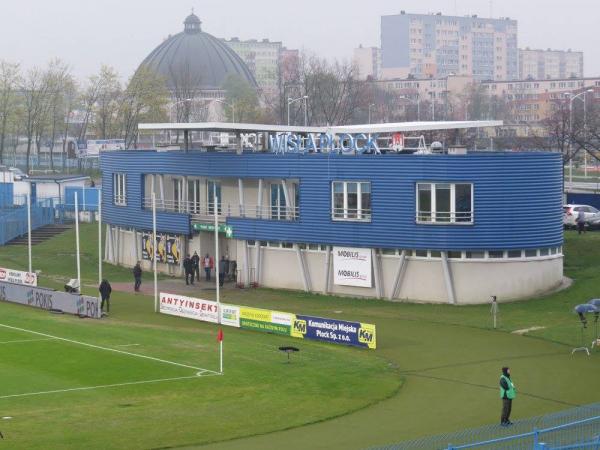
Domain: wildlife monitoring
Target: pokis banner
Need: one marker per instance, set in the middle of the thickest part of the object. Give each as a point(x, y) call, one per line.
point(352, 266)
point(49, 299)
point(335, 331)
point(190, 307)
point(18, 277)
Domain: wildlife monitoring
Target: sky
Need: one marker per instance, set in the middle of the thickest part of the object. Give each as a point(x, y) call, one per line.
point(120, 33)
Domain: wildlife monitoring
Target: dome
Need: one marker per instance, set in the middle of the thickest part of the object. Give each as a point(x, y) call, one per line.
point(195, 60)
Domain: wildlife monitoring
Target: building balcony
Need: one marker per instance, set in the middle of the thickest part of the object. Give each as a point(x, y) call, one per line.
point(200, 212)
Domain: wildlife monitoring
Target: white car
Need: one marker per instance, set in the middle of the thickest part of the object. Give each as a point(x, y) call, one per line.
point(18, 174)
point(570, 213)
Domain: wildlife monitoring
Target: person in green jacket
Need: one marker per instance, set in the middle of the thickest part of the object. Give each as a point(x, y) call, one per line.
point(507, 393)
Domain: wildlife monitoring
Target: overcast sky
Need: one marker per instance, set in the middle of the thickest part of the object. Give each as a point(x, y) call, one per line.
point(121, 33)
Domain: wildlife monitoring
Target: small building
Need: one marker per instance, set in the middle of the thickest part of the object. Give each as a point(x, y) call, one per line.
point(49, 186)
point(326, 210)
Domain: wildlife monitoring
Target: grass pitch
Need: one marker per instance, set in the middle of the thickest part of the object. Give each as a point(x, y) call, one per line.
point(435, 370)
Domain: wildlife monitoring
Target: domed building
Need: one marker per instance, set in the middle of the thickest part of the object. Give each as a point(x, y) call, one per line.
point(195, 64)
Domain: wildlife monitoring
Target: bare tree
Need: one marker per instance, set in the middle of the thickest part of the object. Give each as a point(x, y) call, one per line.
point(106, 106)
point(10, 79)
point(33, 88)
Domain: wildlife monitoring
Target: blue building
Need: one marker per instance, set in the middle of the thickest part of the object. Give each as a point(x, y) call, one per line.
point(438, 227)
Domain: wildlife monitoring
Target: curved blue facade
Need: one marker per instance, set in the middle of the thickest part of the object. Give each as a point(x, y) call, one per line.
point(517, 197)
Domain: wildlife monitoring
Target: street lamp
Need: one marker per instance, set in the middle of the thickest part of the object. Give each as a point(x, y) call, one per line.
point(231, 105)
point(571, 98)
point(294, 100)
point(370, 106)
point(414, 102)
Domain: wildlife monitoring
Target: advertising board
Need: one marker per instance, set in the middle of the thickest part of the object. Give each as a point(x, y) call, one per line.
point(265, 320)
point(335, 331)
point(189, 307)
point(18, 277)
point(352, 266)
point(230, 315)
point(48, 299)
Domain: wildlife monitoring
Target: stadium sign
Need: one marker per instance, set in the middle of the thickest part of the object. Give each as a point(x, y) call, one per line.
point(49, 299)
point(343, 143)
point(189, 307)
point(18, 276)
point(352, 266)
point(335, 331)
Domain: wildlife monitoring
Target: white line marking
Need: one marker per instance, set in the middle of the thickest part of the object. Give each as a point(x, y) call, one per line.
point(88, 388)
point(26, 340)
point(108, 349)
point(127, 345)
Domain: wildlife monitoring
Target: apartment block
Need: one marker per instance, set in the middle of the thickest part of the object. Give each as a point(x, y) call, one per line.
point(550, 64)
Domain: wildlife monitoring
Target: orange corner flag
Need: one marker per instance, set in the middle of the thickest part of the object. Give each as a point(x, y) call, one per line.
point(220, 336)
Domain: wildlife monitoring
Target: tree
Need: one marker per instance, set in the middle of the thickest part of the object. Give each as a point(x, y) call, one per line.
point(106, 106)
point(10, 78)
point(144, 100)
point(33, 88)
point(243, 97)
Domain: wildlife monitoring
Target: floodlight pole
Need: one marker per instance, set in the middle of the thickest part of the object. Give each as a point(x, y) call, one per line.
point(154, 252)
point(77, 242)
point(218, 275)
point(29, 230)
point(100, 243)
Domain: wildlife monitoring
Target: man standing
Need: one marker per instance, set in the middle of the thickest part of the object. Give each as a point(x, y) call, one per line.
point(580, 221)
point(196, 262)
point(188, 267)
point(105, 290)
point(137, 276)
point(208, 264)
point(507, 393)
point(222, 270)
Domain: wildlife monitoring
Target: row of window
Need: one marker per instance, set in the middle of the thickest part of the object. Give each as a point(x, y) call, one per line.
point(430, 254)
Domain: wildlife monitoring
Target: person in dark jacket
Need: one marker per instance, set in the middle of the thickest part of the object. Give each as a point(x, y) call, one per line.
point(507, 393)
point(137, 276)
point(188, 267)
point(105, 290)
point(196, 261)
point(222, 270)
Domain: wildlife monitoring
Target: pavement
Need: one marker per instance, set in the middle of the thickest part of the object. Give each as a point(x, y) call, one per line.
point(174, 286)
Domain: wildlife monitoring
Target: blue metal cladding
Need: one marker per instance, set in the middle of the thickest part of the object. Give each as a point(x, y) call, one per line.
point(517, 197)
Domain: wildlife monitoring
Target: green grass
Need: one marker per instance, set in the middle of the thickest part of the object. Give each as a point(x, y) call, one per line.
point(435, 369)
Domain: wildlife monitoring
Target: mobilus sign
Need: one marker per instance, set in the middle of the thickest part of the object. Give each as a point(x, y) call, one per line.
point(343, 143)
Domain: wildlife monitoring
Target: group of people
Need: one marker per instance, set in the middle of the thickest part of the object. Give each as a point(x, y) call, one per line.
point(191, 266)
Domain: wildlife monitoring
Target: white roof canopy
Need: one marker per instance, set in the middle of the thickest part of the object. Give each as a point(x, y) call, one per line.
point(353, 129)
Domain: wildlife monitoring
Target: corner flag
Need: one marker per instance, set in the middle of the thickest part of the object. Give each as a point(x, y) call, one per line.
point(220, 341)
point(220, 336)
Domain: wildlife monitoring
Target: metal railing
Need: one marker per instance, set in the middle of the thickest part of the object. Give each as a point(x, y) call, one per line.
point(444, 217)
point(204, 212)
point(574, 428)
point(13, 222)
point(352, 214)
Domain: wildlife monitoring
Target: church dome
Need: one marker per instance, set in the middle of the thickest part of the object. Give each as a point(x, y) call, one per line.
point(196, 61)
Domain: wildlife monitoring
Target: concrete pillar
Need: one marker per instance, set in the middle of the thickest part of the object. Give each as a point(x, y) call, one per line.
point(327, 269)
point(448, 278)
point(395, 291)
point(241, 196)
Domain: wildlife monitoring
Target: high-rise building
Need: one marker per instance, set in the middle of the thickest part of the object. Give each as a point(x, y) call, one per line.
point(262, 58)
point(368, 62)
point(550, 64)
point(434, 45)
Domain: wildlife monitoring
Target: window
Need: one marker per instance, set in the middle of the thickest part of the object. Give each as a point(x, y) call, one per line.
point(351, 200)
point(444, 203)
point(530, 253)
point(194, 196)
point(177, 195)
point(120, 189)
point(212, 188)
point(496, 254)
point(475, 255)
point(514, 253)
point(278, 202)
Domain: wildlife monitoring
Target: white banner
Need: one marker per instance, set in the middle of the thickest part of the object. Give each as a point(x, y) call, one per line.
point(352, 266)
point(17, 276)
point(190, 307)
point(230, 315)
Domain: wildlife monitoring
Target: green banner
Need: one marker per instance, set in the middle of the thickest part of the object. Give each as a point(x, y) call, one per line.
point(228, 230)
point(266, 327)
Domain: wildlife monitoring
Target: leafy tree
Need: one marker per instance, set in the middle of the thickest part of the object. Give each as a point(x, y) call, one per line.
point(10, 78)
point(243, 97)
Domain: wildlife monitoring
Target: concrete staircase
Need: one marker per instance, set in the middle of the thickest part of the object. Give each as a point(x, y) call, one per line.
point(40, 235)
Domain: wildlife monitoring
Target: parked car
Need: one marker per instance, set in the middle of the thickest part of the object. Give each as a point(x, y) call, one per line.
point(570, 213)
point(18, 174)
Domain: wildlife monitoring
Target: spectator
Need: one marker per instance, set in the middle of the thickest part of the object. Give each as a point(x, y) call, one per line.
point(137, 276)
point(580, 221)
point(222, 270)
point(196, 261)
point(507, 393)
point(105, 290)
point(208, 264)
point(188, 266)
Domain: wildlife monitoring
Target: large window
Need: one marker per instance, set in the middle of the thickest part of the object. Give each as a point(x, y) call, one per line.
point(194, 196)
point(444, 203)
point(351, 200)
point(212, 188)
point(119, 189)
point(278, 203)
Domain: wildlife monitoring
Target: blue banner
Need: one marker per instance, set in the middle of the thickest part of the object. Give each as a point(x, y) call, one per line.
point(334, 331)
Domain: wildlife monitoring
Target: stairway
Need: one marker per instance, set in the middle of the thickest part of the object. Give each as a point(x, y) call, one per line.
point(40, 235)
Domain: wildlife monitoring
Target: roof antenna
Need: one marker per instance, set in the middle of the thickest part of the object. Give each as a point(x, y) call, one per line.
point(192, 10)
